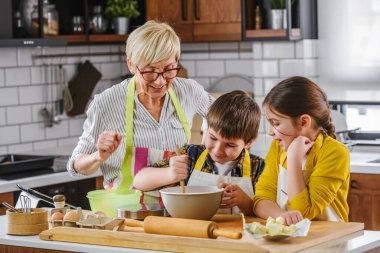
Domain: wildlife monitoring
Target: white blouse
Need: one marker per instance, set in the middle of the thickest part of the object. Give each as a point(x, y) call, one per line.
point(107, 112)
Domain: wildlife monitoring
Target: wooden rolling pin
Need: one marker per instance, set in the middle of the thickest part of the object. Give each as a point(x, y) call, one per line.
point(182, 227)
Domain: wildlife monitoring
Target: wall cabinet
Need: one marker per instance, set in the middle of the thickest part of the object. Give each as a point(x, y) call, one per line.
point(199, 20)
point(71, 14)
point(364, 200)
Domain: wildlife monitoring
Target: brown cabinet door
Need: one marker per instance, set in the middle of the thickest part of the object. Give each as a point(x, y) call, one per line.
point(217, 20)
point(6, 197)
point(364, 200)
point(199, 20)
point(177, 13)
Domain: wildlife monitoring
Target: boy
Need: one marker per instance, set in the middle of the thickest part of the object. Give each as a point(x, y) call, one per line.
point(233, 122)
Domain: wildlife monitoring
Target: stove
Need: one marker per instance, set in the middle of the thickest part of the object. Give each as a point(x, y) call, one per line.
point(14, 166)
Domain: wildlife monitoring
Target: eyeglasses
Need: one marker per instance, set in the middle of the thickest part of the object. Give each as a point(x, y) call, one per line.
point(151, 76)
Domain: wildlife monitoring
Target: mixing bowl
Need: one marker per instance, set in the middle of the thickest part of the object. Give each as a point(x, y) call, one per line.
point(108, 201)
point(198, 202)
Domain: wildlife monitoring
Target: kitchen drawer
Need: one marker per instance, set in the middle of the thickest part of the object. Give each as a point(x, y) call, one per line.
point(365, 182)
point(6, 197)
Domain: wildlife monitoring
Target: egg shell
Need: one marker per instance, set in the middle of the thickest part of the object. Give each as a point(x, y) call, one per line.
point(71, 216)
point(100, 214)
point(57, 216)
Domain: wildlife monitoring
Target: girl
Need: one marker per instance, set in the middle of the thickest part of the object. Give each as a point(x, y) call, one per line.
point(307, 171)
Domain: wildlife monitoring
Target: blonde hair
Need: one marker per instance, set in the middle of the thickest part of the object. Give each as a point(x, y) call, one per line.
point(151, 43)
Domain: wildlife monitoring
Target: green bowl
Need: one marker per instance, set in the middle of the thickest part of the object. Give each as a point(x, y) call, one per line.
point(108, 201)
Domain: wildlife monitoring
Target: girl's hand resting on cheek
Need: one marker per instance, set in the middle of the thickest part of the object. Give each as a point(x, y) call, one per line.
point(291, 217)
point(178, 168)
point(299, 147)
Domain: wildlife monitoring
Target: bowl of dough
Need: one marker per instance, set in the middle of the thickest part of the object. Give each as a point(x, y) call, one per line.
point(197, 202)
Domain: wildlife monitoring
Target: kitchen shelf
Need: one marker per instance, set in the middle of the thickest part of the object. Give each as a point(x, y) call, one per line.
point(67, 9)
point(301, 20)
point(108, 38)
point(269, 33)
point(95, 38)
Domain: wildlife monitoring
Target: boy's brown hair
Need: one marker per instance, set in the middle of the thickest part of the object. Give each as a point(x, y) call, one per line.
point(235, 115)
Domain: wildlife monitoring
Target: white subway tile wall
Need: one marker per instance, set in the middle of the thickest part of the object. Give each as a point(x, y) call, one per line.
point(29, 84)
point(2, 77)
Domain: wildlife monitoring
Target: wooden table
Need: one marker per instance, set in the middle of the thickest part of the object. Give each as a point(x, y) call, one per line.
point(319, 232)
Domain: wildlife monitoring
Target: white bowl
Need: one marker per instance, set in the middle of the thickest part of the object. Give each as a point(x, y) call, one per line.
point(198, 202)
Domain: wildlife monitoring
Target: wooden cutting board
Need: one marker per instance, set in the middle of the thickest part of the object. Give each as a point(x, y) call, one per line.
point(320, 231)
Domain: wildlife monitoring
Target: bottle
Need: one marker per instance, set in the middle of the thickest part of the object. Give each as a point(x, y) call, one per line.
point(258, 18)
point(98, 23)
point(19, 30)
point(50, 19)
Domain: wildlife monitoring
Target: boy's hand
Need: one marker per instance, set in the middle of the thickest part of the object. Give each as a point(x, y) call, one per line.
point(178, 168)
point(107, 143)
point(291, 217)
point(233, 196)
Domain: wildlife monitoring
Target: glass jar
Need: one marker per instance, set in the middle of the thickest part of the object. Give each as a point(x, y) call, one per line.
point(98, 23)
point(50, 19)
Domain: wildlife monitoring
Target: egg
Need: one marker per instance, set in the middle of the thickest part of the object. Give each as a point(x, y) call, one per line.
point(100, 214)
point(71, 216)
point(57, 216)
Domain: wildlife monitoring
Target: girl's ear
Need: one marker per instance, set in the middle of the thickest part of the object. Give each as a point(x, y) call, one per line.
point(130, 66)
point(306, 121)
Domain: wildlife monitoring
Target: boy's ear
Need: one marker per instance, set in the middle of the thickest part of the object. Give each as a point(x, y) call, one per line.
point(248, 144)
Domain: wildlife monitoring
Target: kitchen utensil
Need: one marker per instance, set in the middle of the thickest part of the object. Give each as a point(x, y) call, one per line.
point(25, 204)
point(182, 227)
point(10, 207)
point(320, 232)
point(41, 196)
point(139, 211)
point(67, 99)
point(182, 182)
point(108, 201)
point(31, 223)
point(199, 202)
point(82, 85)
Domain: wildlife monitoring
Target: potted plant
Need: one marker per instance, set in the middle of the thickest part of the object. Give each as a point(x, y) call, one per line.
point(121, 11)
point(278, 14)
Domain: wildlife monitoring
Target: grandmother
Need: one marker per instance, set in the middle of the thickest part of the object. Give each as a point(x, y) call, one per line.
point(141, 120)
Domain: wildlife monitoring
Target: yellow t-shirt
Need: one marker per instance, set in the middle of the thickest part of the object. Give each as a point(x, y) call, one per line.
point(328, 164)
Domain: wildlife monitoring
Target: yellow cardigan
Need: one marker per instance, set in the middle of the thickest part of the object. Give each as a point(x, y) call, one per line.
point(329, 165)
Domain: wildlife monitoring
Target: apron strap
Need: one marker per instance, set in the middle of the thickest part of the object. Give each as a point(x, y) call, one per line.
point(246, 164)
point(181, 114)
point(201, 160)
point(126, 167)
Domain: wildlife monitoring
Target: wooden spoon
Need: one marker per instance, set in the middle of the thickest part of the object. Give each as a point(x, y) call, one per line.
point(182, 182)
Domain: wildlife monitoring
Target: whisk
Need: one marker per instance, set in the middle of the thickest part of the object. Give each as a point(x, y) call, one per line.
point(25, 204)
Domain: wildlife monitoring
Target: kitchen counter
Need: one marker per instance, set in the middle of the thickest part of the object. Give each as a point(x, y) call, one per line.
point(46, 179)
point(355, 242)
point(362, 163)
point(42, 180)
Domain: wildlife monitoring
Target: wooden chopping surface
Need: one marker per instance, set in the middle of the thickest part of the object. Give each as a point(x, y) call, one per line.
point(320, 231)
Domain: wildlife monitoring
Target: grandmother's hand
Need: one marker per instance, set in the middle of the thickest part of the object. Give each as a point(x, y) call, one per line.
point(178, 168)
point(107, 143)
